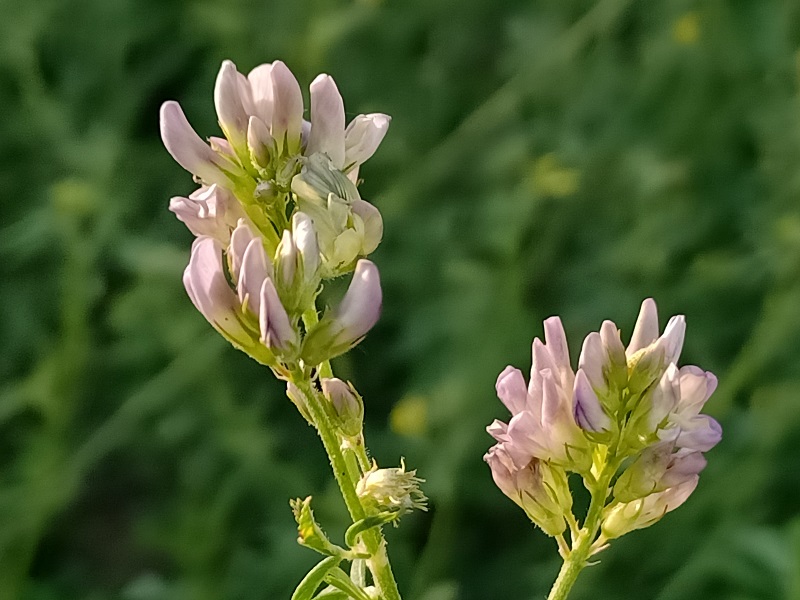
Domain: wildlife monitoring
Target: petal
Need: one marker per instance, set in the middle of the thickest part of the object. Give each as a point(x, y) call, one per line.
point(240, 240)
point(664, 398)
point(260, 80)
point(305, 238)
point(592, 360)
point(556, 341)
point(589, 413)
point(683, 466)
point(363, 136)
point(361, 305)
point(287, 115)
point(672, 339)
point(645, 332)
point(512, 389)
point(327, 120)
point(252, 274)
point(702, 433)
point(228, 101)
point(696, 388)
point(498, 430)
point(276, 328)
point(373, 224)
point(186, 147)
point(208, 288)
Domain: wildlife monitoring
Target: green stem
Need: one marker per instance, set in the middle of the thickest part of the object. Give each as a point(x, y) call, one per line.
point(373, 539)
point(576, 560)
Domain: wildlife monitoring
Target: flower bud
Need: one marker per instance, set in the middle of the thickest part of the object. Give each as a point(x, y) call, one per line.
point(231, 112)
point(347, 405)
point(277, 332)
point(393, 490)
point(260, 144)
point(287, 115)
point(297, 265)
point(346, 326)
point(327, 121)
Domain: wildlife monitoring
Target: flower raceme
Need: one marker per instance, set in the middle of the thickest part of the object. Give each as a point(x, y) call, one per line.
point(631, 408)
point(278, 211)
point(267, 144)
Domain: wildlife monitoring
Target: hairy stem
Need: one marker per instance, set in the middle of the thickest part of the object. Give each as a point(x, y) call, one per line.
point(576, 560)
point(346, 479)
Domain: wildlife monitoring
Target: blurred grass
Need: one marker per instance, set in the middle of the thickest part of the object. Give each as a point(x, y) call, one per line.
point(546, 157)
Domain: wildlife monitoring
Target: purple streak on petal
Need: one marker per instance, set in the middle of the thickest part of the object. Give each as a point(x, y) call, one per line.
point(589, 413)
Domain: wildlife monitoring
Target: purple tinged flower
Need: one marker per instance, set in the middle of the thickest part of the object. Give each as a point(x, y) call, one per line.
point(589, 413)
point(327, 121)
point(539, 489)
point(686, 426)
point(622, 518)
point(287, 110)
point(211, 211)
point(188, 149)
point(347, 325)
point(683, 465)
point(276, 328)
point(209, 291)
point(361, 306)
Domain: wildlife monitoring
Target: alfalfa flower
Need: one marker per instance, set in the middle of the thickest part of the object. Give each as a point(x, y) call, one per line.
point(345, 326)
point(628, 408)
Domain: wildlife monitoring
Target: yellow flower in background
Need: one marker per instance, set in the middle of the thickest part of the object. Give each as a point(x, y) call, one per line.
point(686, 29)
point(551, 178)
point(409, 417)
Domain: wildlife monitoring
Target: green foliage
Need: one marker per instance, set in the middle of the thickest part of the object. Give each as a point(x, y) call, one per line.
point(545, 157)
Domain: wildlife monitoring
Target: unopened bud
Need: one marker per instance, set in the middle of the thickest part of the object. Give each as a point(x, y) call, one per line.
point(347, 405)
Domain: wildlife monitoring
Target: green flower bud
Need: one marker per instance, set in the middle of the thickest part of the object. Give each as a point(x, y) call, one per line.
point(346, 404)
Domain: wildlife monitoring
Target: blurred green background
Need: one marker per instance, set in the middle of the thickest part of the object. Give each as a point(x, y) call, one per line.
point(546, 157)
